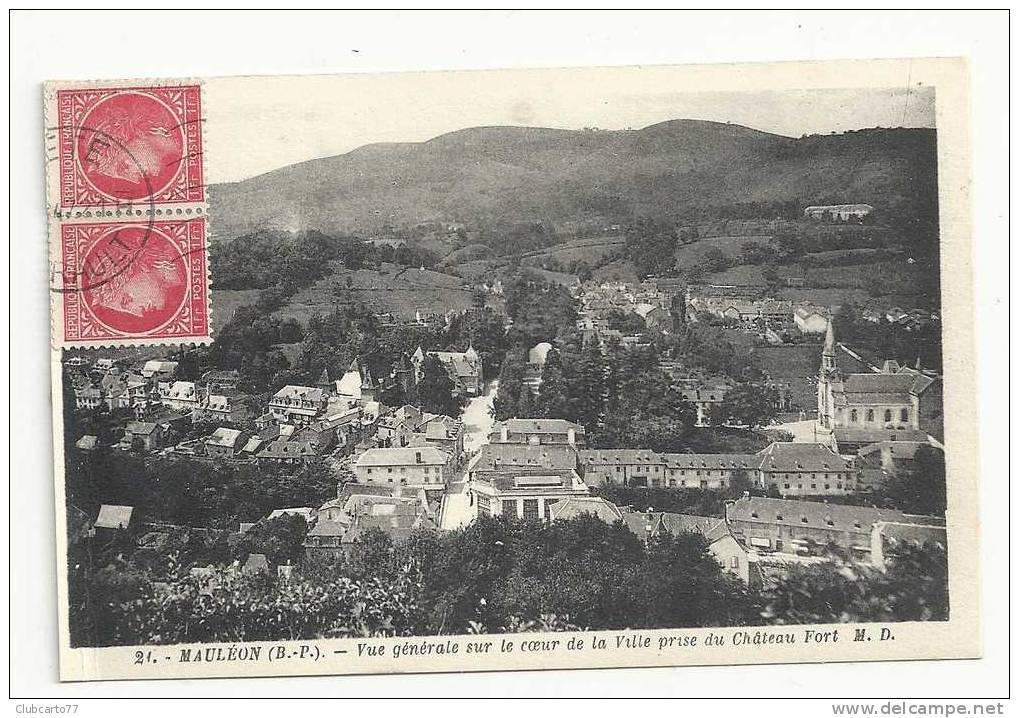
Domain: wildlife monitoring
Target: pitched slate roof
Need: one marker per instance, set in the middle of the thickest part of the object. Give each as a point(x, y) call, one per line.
point(546, 456)
point(224, 437)
point(790, 456)
point(538, 426)
point(596, 506)
point(141, 428)
point(404, 456)
point(898, 449)
point(818, 514)
point(114, 517)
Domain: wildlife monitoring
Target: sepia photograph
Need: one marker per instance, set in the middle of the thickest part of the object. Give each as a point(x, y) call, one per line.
point(629, 357)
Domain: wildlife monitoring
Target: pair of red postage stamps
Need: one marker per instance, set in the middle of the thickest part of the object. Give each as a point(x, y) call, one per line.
point(128, 221)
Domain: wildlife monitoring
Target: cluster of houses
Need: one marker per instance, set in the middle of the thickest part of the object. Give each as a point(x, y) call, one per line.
point(599, 303)
point(298, 424)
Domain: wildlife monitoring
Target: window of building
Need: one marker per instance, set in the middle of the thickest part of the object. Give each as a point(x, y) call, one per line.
point(368, 471)
point(531, 509)
point(870, 415)
point(778, 517)
point(672, 483)
point(904, 415)
point(509, 508)
point(704, 484)
point(813, 486)
point(852, 416)
point(786, 486)
point(804, 519)
point(827, 486)
point(888, 414)
point(753, 514)
point(389, 471)
point(734, 562)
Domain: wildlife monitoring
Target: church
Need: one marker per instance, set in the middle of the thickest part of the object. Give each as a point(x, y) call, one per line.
point(853, 394)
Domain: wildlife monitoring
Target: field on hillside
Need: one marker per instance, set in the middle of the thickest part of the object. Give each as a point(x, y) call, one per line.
point(226, 301)
point(588, 249)
point(689, 255)
point(399, 290)
point(880, 284)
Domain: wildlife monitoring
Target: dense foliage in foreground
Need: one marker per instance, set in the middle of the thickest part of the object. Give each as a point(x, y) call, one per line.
point(494, 576)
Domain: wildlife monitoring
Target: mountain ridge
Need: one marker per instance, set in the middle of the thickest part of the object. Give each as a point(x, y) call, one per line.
point(493, 174)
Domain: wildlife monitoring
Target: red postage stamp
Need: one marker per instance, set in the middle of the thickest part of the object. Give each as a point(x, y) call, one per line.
point(139, 280)
point(125, 145)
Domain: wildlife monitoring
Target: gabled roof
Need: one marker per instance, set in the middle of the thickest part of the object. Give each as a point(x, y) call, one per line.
point(818, 514)
point(897, 449)
point(284, 448)
point(305, 512)
point(140, 428)
point(403, 456)
point(546, 456)
point(596, 506)
point(537, 426)
point(112, 516)
point(224, 437)
point(793, 456)
point(300, 393)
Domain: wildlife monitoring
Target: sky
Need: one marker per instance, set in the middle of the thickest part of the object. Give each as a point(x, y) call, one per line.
point(258, 124)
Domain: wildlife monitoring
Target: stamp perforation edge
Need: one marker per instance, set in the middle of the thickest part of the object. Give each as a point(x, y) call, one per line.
point(144, 208)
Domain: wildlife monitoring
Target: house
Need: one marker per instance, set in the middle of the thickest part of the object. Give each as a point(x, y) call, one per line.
point(141, 435)
point(88, 442)
point(423, 466)
point(811, 319)
point(288, 451)
point(891, 397)
point(444, 433)
point(654, 317)
point(181, 396)
point(805, 470)
point(222, 379)
point(324, 542)
point(791, 468)
point(113, 517)
point(464, 368)
point(298, 404)
point(792, 526)
point(305, 512)
point(626, 467)
point(256, 563)
point(225, 443)
point(840, 212)
point(524, 493)
point(523, 481)
point(848, 440)
point(893, 457)
point(732, 555)
point(159, 370)
point(704, 397)
point(87, 396)
point(575, 506)
point(537, 432)
point(511, 456)
point(885, 536)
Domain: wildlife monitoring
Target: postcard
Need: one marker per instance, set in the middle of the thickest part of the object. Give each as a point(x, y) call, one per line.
point(512, 370)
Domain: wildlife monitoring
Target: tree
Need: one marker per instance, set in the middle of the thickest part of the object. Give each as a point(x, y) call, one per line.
point(913, 588)
point(746, 404)
point(435, 389)
point(552, 398)
point(507, 398)
point(280, 539)
point(651, 247)
point(921, 489)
